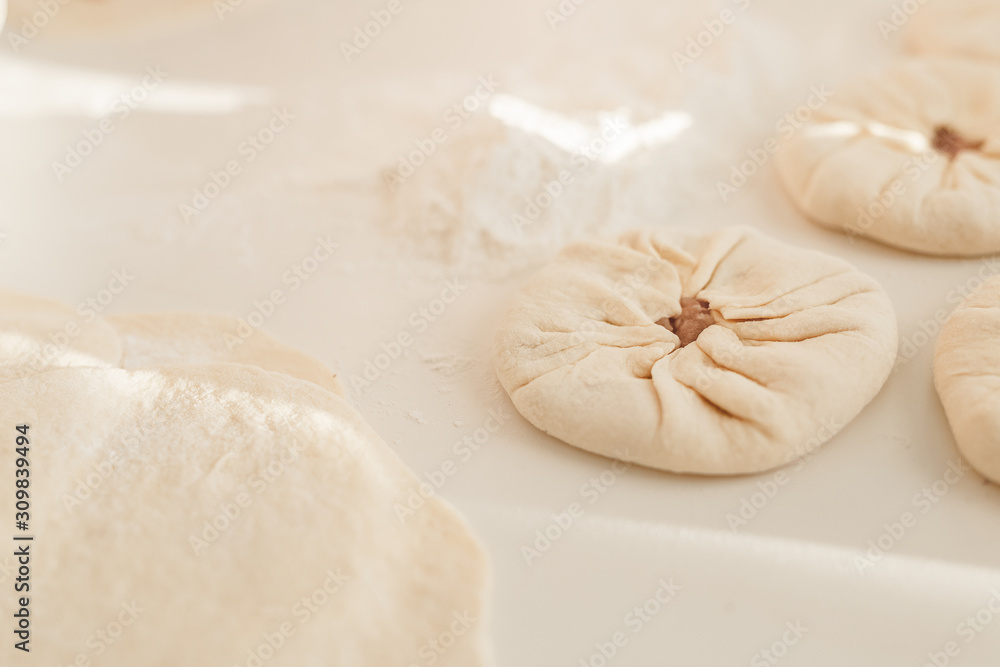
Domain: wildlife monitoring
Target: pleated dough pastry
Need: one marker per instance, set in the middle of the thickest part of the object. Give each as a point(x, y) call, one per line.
point(909, 157)
point(720, 353)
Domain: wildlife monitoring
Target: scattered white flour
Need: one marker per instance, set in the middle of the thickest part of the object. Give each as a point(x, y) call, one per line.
point(417, 416)
point(526, 173)
point(447, 363)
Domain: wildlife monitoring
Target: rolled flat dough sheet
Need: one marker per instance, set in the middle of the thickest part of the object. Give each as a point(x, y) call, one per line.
point(212, 515)
point(40, 334)
point(163, 339)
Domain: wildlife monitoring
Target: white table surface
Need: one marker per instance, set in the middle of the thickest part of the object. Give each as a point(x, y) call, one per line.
point(796, 559)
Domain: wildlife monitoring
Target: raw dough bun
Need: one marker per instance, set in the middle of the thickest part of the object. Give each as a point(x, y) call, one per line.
point(956, 27)
point(219, 435)
point(163, 339)
point(903, 129)
point(40, 334)
point(967, 377)
point(801, 343)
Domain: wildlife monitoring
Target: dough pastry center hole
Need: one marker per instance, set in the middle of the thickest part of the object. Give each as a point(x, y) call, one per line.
point(951, 143)
point(695, 317)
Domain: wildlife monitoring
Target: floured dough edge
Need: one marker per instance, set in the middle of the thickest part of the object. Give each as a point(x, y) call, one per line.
point(967, 377)
point(160, 339)
point(323, 514)
point(38, 334)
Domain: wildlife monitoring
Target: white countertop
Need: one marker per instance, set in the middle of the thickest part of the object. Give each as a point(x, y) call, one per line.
point(796, 559)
